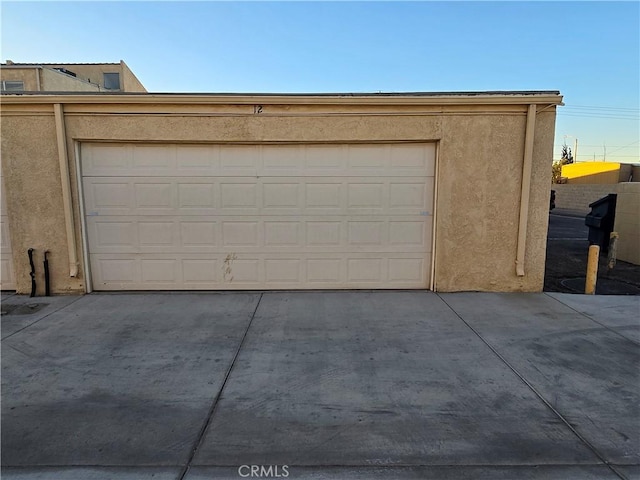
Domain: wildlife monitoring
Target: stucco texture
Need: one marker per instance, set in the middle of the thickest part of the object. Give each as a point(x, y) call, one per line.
point(54, 81)
point(34, 202)
point(130, 82)
point(91, 72)
point(628, 222)
point(479, 172)
point(26, 75)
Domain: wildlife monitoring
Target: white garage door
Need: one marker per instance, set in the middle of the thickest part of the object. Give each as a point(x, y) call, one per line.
point(7, 281)
point(165, 217)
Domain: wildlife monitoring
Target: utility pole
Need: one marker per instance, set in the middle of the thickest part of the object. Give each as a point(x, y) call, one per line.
point(604, 148)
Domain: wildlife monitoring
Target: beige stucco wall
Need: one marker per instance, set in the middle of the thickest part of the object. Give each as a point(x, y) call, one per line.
point(478, 212)
point(34, 201)
point(54, 81)
point(89, 71)
point(130, 82)
point(479, 147)
point(27, 75)
point(628, 222)
point(94, 73)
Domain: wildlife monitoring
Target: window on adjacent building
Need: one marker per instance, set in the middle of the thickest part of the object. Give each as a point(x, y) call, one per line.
point(112, 81)
point(12, 86)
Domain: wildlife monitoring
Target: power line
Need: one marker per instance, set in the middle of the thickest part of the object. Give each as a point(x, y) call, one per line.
point(609, 117)
point(632, 143)
point(612, 156)
point(582, 107)
point(593, 111)
point(595, 145)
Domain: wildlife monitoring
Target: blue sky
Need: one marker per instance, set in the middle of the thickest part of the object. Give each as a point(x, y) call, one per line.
point(590, 51)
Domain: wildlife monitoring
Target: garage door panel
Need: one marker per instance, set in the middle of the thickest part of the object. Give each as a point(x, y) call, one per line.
point(283, 160)
point(409, 232)
point(240, 160)
point(196, 196)
point(156, 233)
point(366, 233)
point(201, 272)
point(250, 196)
point(405, 271)
point(239, 196)
point(324, 272)
point(407, 195)
point(325, 233)
point(325, 160)
point(417, 158)
point(107, 196)
point(159, 271)
point(245, 271)
point(282, 198)
point(241, 233)
point(7, 276)
point(5, 239)
point(112, 234)
point(283, 270)
point(365, 270)
point(283, 234)
point(214, 234)
point(373, 158)
point(154, 198)
point(197, 159)
point(152, 158)
point(116, 271)
point(324, 198)
point(200, 234)
point(258, 216)
point(257, 271)
point(369, 196)
point(7, 281)
point(107, 159)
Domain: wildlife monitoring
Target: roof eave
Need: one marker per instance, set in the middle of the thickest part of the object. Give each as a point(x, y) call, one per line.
point(418, 98)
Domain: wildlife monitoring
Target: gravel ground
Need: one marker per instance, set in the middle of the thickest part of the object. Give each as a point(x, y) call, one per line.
point(566, 265)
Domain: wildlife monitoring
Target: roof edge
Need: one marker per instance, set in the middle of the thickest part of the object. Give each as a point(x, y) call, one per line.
point(395, 98)
point(28, 64)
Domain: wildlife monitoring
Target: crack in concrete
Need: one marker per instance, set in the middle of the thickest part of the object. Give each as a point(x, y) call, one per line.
point(216, 400)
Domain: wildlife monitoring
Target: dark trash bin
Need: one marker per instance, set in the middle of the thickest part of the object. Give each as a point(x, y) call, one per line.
point(552, 200)
point(600, 221)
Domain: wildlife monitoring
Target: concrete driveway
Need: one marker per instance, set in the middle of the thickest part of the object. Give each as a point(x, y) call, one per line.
point(320, 385)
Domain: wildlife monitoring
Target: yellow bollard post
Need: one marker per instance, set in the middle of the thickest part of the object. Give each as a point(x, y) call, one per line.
point(592, 270)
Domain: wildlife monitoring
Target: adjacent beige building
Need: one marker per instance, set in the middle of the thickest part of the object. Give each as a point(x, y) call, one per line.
point(627, 223)
point(68, 77)
point(440, 191)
